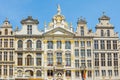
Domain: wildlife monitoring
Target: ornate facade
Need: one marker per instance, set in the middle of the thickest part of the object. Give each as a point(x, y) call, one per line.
point(59, 53)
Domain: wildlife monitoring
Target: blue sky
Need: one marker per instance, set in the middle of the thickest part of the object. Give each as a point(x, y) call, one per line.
point(44, 10)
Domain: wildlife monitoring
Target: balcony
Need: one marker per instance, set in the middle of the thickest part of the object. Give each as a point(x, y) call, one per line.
point(59, 66)
point(28, 49)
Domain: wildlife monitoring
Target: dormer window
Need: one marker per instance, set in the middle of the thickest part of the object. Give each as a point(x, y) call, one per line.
point(82, 31)
point(6, 31)
point(102, 33)
point(108, 33)
point(29, 29)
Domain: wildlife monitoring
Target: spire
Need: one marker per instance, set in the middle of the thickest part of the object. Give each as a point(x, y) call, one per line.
point(17, 29)
point(45, 24)
point(103, 13)
point(81, 20)
point(6, 20)
point(104, 17)
point(58, 10)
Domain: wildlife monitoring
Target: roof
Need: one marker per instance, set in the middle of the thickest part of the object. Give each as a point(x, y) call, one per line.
point(32, 21)
point(6, 24)
point(81, 21)
point(104, 17)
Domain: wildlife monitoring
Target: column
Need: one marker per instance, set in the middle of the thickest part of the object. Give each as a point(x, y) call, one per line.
point(2, 71)
point(8, 53)
point(34, 58)
point(72, 53)
point(8, 71)
point(54, 44)
point(2, 42)
point(45, 54)
point(23, 59)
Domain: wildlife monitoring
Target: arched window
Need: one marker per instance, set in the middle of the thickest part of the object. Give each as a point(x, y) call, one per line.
point(102, 33)
point(50, 44)
point(29, 44)
point(6, 31)
point(38, 73)
point(38, 44)
point(108, 32)
point(20, 44)
point(29, 60)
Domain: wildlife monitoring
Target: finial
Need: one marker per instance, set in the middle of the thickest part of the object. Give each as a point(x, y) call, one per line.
point(70, 25)
point(80, 17)
point(16, 28)
point(6, 19)
point(103, 13)
point(45, 24)
point(58, 9)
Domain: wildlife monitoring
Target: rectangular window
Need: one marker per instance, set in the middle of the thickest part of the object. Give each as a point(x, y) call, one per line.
point(77, 74)
point(83, 63)
point(89, 64)
point(76, 52)
point(5, 56)
point(109, 72)
point(76, 43)
point(50, 44)
point(5, 42)
point(0, 42)
point(59, 58)
point(96, 44)
point(82, 43)
point(11, 56)
point(115, 58)
point(96, 59)
point(102, 44)
point(29, 29)
point(19, 59)
point(88, 43)
point(5, 70)
point(11, 43)
point(38, 59)
point(114, 44)
point(88, 52)
point(109, 58)
point(108, 44)
point(116, 73)
point(67, 45)
point(10, 70)
point(59, 44)
point(102, 59)
point(97, 73)
point(89, 73)
point(76, 63)
point(82, 52)
point(103, 72)
point(68, 59)
point(50, 59)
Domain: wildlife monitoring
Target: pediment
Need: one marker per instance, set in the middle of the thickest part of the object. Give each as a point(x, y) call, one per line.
point(59, 32)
